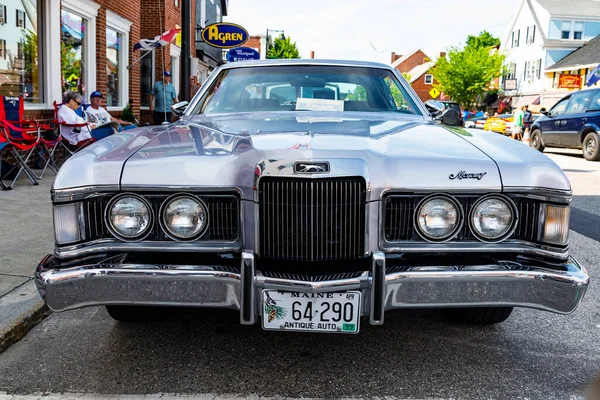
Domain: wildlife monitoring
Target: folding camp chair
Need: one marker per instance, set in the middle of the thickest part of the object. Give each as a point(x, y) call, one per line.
point(22, 135)
point(3, 148)
point(64, 143)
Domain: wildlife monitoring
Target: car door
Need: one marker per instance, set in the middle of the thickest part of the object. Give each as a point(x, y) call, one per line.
point(550, 126)
point(574, 118)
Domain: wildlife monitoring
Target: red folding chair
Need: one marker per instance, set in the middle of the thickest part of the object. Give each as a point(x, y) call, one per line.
point(4, 147)
point(22, 135)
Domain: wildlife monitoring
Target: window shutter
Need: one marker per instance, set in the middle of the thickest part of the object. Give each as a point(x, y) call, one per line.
point(533, 35)
point(527, 36)
point(539, 68)
point(518, 37)
point(17, 18)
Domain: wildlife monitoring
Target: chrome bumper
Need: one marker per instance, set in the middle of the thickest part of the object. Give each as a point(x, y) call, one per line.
point(504, 284)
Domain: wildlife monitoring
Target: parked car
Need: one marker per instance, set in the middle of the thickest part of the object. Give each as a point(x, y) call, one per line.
point(572, 123)
point(499, 124)
point(308, 214)
point(477, 122)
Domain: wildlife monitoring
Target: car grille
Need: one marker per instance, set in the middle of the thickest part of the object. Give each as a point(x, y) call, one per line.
point(312, 219)
point(399, 214)
point(223, 214)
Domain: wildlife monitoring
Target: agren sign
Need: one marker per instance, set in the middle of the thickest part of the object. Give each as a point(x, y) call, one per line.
point(224, 35)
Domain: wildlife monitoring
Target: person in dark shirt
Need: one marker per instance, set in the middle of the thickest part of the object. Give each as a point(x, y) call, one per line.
point(527, 119)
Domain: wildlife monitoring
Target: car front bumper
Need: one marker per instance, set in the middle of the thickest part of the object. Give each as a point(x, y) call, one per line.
point(501, 284)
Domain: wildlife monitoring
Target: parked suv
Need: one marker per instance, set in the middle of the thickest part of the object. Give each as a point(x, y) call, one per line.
point(572, 123)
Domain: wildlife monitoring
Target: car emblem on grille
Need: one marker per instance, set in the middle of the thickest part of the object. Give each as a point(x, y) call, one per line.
point(311, 167)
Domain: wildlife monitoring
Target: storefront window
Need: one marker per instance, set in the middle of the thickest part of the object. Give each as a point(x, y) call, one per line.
point(20, 72)
point(73, 63)
point(146, 77)
point(113, 54)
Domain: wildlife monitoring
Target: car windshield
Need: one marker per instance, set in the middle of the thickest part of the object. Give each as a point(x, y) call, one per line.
point(305, 88)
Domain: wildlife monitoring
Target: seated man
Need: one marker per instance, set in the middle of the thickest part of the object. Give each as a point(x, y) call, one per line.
point(97, 114)
point(67, 114)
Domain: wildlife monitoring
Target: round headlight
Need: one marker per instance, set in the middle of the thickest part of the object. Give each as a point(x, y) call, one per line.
point(492, 218)
point(438, 218)
point(129, 217)
point(184, 217)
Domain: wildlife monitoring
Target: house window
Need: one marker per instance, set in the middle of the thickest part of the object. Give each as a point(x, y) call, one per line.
point(20, 51)
point(428, 79)
point(531, 34)
point(113, 67)
point(20, 19)
point(147, 72)
point(515, 38)
point(565, 29)
point(578, 30)
point(533, 70)
point(73, 56)
point(2, 14)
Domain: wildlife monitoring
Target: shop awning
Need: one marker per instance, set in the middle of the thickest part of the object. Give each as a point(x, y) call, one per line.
point(528, 100)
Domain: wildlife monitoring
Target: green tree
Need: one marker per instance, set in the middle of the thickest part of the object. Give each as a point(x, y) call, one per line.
point(465, 74)
point(282, 47)
point(358, 94)
point(484, 39)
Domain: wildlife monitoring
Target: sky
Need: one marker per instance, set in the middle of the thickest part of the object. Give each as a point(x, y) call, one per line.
point(370, 30)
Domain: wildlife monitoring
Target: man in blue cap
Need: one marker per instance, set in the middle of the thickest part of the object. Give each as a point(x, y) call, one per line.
point(96, 114)
point(162, 96)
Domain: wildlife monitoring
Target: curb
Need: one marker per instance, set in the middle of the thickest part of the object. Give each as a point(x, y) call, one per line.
point(20, 310)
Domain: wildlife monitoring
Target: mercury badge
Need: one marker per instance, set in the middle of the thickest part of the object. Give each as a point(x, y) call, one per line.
point(311, 167)
point(467, 175)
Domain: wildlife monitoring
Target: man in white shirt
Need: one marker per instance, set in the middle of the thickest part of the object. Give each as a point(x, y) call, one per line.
point(66, 114)
point(96, 114)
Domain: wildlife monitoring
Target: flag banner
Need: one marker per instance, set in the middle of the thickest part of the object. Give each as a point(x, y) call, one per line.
point(593, 77)
point(158, 41)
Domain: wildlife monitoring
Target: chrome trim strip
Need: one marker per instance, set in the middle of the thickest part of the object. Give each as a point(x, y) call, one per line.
point(112, 245)
point(247, 290)
point(87, 192)
point(491, 285)
point(81, 193)
point(512, 246)
point(543, 194)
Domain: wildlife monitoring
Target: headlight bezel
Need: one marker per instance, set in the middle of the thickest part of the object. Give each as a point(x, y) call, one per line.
point(162, 216)
point(115, 233)
point(511, 229)
point(457, 228)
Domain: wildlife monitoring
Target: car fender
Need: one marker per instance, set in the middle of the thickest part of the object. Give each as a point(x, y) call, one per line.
point(587, 128)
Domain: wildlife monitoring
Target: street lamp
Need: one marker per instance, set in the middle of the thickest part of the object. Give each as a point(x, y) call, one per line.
point(267, 39)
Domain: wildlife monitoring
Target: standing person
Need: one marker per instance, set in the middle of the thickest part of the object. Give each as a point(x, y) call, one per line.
point(66, 114)
point(518, 123)
point(162, 96)
point(527, 119)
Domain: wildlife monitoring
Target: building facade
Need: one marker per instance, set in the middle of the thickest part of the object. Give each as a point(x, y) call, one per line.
point(540, 33)
point(417, 66)
point(208, 12)
point(48, 47)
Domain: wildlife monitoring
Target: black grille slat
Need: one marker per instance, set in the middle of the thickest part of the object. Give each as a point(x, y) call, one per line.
point(312, 219)
point(399, 213)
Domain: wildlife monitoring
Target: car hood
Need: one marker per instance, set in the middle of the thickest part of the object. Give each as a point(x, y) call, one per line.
point(401, 152)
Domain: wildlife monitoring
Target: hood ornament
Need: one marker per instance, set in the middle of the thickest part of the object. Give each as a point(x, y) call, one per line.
point(469, 175)
point(311, 167)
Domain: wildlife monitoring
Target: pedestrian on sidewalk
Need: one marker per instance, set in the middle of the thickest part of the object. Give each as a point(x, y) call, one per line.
point(518, 123)
point(527, 119)
point(162, 96)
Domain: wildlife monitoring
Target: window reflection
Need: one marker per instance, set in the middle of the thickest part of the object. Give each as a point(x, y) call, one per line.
point(113, 52)
point(73, 67)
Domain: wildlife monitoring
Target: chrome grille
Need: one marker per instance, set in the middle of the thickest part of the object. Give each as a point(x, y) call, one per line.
point(312, 219)
point(223, 214)
point(399, 212)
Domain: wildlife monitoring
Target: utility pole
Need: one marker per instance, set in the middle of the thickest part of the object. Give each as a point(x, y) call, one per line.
point(186, 25)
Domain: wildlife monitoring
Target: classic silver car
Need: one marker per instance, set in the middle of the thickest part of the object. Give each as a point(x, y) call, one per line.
point(311, 195)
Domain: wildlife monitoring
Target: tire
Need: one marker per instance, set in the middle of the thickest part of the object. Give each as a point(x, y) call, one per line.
point(536, 141)
point(591, 147)
point(136, 313)
point(478, 315)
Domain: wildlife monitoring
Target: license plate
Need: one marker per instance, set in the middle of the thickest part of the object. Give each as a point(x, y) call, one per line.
point(311, 312)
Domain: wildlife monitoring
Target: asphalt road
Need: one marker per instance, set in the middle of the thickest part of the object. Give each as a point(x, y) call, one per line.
point(416, 354)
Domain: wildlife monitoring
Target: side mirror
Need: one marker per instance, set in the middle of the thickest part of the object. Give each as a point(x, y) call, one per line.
point(543, 111)
point(179, 108)
point(435, 108)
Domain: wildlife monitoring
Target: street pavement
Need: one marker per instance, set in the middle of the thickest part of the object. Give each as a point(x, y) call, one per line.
point(415, 355)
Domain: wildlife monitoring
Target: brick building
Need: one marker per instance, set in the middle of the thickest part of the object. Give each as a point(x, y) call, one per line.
point(418, 66)
point(50, 46)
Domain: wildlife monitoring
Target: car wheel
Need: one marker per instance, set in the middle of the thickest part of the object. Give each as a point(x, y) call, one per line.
point(536, 140)
point(478, 315)
point(591, 147)
point(136, 313)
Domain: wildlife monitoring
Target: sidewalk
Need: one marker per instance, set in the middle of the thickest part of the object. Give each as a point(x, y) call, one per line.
point(26, 237)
